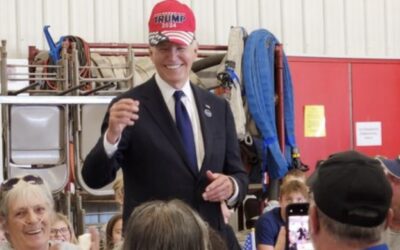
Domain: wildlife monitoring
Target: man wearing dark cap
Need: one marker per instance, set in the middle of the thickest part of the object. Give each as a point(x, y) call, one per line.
point(391, 236)
point(171, 138)
point(351, 205)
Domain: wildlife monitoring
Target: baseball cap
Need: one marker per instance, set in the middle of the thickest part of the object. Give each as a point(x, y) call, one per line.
point(313, 177)
point(352, 188)
point(393, 166)
point(171, 21)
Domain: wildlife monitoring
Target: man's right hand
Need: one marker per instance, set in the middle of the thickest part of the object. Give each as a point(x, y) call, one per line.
point(121, 114)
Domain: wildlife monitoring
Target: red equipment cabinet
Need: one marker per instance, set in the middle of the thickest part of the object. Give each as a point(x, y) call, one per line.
point(351, 90)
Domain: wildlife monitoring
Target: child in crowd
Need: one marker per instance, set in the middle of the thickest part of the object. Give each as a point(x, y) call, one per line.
point(114, 232)
point(293, 174)
point(270, 227)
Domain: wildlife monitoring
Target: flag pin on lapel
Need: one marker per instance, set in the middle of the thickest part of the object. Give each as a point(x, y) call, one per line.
point(207, 110)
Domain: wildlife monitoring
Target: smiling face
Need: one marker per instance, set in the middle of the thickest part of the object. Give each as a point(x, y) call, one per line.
point(28, 223)
point(60, 232)
point(173, 61)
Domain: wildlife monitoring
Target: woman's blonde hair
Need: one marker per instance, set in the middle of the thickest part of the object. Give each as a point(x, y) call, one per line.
point(118, 188)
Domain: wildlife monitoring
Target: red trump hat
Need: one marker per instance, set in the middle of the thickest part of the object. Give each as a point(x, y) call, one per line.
point(171, 21)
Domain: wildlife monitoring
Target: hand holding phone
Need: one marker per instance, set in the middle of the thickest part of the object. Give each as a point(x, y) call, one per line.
point(298, 233)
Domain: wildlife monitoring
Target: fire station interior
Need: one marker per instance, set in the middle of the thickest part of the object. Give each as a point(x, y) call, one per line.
point(58, 98)
point(72, 97)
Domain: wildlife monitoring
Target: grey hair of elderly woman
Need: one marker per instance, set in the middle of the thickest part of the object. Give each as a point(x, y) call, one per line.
point(23, 190)
point(26, 213)
point(163, 225)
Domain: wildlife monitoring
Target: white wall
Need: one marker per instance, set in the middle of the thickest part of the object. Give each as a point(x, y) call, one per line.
point(339, 28)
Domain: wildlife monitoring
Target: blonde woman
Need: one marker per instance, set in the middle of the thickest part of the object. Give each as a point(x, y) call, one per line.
point(62, 230)
point(118, 188)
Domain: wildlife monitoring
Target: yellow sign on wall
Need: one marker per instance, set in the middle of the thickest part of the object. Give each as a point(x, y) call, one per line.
point(314, 121)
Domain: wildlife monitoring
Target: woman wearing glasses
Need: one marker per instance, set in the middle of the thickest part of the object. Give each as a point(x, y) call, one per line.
point(26, 212)
point(62, 230)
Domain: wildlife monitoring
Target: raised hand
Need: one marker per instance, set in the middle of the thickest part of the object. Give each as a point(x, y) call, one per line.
point(122, 113)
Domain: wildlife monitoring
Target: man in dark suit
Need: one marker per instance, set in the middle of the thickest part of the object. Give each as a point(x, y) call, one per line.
point(141, 132)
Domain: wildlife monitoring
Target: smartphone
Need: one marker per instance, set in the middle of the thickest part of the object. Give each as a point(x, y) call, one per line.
point(298, 232)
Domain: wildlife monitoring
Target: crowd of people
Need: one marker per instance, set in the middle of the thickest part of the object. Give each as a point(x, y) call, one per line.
point(349, 180)
point(182, 173)
point(29, 221)
point(354, 204)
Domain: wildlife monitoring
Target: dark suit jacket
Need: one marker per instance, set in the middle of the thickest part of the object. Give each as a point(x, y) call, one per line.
point(153, 160)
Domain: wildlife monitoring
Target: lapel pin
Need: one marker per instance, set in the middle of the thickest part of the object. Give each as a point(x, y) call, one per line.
point(207, 111)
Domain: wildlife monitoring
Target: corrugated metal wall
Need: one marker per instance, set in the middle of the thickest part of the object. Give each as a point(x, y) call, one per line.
point(338, 28)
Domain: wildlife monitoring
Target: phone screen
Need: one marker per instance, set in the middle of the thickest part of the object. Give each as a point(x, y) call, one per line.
point(298, 233)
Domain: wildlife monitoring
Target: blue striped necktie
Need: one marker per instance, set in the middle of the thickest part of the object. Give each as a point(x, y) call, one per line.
point(185, 129)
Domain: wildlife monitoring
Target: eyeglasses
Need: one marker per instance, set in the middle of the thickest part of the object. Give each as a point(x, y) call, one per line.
point(61, 230)
point(10, 183)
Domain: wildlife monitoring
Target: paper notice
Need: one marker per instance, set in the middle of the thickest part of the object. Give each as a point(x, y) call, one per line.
point(314, 121)
point(368, 133)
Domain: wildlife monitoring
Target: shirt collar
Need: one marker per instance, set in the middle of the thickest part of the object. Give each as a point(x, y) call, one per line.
point(168, 91)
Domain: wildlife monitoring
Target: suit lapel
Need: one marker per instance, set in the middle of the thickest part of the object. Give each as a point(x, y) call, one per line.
point(154, 103)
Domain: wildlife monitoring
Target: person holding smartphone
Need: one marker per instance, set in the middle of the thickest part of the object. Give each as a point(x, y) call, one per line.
point(357, 186)
point(270, 227)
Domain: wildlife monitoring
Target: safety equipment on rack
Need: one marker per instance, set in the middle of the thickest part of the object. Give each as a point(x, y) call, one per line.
point(259, 82)
point(292, 153)
point(258, 76)
point(55, 48)
point(230, 78)
point(55, 55)
point(83, 53)
point(296, 161)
